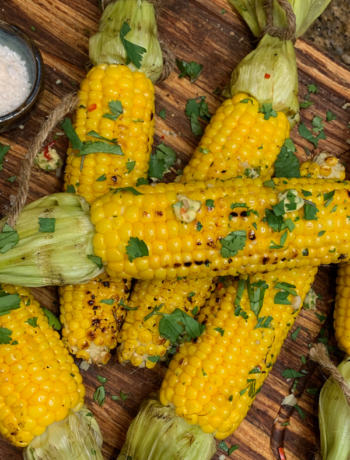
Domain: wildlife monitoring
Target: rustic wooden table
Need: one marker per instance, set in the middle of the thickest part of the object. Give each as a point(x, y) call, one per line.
point(198, 30)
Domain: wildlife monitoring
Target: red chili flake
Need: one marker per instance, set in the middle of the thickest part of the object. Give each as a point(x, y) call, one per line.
point(46, 150)
point(281, 452)
point(92, 107)
point(220, 286)
point(267, 76)
point(162, 137)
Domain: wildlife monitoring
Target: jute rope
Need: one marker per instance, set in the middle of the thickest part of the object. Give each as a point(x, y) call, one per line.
point(319, 354)
point(67, 104)
point(280, 32)
point(169, 60)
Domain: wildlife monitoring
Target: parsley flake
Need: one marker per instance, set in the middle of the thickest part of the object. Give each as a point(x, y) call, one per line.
point(233, 243)
point(191, 69)
point(47, 224)
point(136, 248)
point(134, 52)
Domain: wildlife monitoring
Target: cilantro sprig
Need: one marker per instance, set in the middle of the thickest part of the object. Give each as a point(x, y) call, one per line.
point(88, 147)
point(233, 243)
point(136, 248)
point(134, 52)
point(191, 69)
point(174, 325)
point(161, 162)
point(287, 164)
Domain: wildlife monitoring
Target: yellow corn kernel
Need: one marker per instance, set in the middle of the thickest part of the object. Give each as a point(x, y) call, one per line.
point(94, 174)
point(218, 397)
point(342, 308)
point(92, 315)
point(323, 166)
point(195, 249)
point(35, 361)
point(183, 294)
point(238, 142)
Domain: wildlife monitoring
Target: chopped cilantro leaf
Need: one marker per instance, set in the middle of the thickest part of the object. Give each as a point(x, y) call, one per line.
point(136, 248)
point(233, 243)
point(134, 52)
point(330, 116)
point(191, 69)
point(96, 260)
point(268, 111)
point(47, 224)
point(310, 212)
point(287, 164)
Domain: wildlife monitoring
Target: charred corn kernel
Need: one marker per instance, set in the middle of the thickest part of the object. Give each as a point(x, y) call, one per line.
point(38, 381)
point(94, 174)
point(235, 353)
point(210, 244)
point(342, 308)
point(238, 142)
point(323, 166)
point(92, 316)
point(139, 339)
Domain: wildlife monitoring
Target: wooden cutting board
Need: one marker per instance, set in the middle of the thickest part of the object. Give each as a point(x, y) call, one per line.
point(198, 30)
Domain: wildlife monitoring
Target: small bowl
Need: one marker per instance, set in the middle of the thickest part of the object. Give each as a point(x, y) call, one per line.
point(17, 41)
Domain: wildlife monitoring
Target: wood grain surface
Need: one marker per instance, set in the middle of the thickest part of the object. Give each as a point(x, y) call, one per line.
point(197, 30)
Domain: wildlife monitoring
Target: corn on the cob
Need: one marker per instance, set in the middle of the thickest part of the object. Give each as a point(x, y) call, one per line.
point(323, 166)
point(140, 236)
point(342, 308)
point(39, 382)
point(92, 315)
point(239, 141)
point(213, 380)
point(138, 339)
point(93, 174)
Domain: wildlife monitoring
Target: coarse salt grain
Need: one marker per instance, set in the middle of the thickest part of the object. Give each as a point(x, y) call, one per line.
point(14, 81)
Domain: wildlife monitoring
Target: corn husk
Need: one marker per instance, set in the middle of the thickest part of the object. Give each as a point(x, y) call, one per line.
point(334, 418)
point(77, 437)
point(157, 433)
point(106, 47)
point(58, 258)
point(273, 56)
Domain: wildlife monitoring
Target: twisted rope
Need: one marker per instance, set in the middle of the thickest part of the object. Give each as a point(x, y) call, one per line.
point(319, 354)
point(280, 32)
point(67, 104)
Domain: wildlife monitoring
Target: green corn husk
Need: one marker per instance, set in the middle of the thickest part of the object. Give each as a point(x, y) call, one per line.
point(157, 433)
point(106, 47)
point(334, 418)
point(77, 437)
point(58, 258)
point(273, 56)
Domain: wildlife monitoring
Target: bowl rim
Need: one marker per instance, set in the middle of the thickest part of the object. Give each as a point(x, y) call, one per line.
point(39, 76)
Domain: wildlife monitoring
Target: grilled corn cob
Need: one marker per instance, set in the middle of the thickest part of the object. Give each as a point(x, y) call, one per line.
point(93, 174)
point(234, 230)
point(39, 381)
point(342, 308)
point(139, 339)
point(239, 141)
point(117, 100)
point(92, 314)
point(214, 380)
point(323, 166)
point(90, 330)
